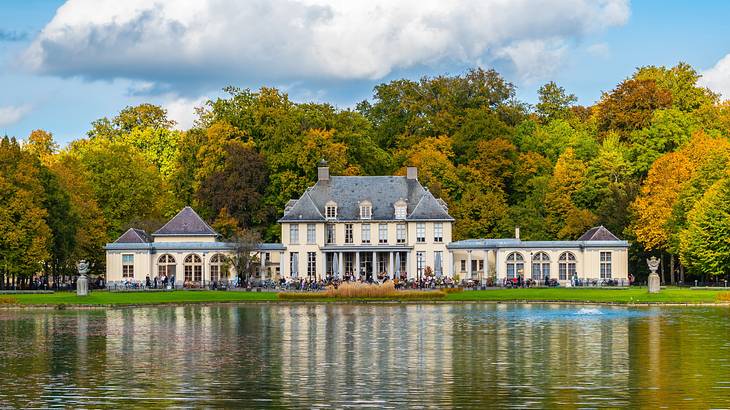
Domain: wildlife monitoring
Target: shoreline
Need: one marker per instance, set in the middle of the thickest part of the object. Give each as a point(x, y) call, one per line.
point(82, 306)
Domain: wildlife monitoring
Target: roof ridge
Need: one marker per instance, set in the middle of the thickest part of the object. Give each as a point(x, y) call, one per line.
point(187, 207)
point(313, 204)
point(419, 202)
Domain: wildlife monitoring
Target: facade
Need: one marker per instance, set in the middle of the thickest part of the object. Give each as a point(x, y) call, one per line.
point(357, 227)
point(363, 227)
point(186, 250)
point(596, 255)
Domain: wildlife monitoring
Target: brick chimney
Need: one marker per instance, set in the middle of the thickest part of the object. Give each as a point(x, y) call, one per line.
point(517, 232)
point(323, 171)
point(411, 173)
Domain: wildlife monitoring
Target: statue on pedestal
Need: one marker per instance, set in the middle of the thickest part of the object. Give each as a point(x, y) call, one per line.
point(654, 282)
point(82, 284)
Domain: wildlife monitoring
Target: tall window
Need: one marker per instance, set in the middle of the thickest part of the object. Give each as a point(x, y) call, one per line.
point(331, 233)
point(365, 233)
point(400, 233)
point(349, 263)
point(294, 264)
point(438, 263)
point(193, 268)
point(421, 232)
point(477, 265)
point(605, 265)
point(217, 268)
point(540, 266)
point(366, 210)
point(311, 264)
point(463, 265)
point(515, 265)
point(420, 262)
point(128, 266)
point(311, 234)
point(294, 233)
point(330, 210)
point(166, 266)
point(383, 233)
point(566, 266)
point(438, 232)
point(348, 233)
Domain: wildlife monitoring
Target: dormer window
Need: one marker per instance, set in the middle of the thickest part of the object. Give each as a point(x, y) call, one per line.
point(366, 210)
point(401, 209)
point(331, 210)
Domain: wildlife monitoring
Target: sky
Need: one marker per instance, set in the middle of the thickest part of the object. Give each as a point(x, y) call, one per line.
point(64, 64)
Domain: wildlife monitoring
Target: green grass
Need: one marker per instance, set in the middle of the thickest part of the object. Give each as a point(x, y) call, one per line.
point(141, 298)
point(633, 295)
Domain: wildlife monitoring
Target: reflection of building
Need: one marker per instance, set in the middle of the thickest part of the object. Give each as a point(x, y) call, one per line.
point(186, 248)
point(597, 254)
point(359, 226)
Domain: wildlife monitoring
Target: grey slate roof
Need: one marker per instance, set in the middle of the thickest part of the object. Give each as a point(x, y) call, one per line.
point(598, 233)
point(133, 235)
point(382, 191)
point(186, 223)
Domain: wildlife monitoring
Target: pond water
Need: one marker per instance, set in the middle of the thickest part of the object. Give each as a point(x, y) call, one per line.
point(461, 355)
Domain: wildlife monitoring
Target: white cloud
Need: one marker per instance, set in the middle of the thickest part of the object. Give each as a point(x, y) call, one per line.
point(717, 78)
point(182, 110)
point(599, 50)
point(199, 43)
point(10, 114)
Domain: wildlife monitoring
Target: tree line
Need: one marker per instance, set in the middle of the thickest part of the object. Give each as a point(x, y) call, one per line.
point(649, 161)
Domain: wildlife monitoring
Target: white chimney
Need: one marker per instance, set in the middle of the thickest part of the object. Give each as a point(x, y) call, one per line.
point(323, 171)
point(517, 232)
point(411, 173)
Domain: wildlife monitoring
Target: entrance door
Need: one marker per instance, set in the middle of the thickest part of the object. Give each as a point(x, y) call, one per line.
point(366, 265)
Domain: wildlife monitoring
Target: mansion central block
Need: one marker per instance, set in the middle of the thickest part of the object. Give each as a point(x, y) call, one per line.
point(363, 227)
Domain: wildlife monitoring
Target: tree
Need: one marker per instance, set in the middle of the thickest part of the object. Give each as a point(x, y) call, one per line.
point(705, 243)
point(681, 82)
point(566, 216)
point(631, 105)
point(125, 185)
point(24, 234)
point(554, 102)
point(142, 116)
point(90, 225)
point(238, 187)
point(432, 157)
point(245, 243)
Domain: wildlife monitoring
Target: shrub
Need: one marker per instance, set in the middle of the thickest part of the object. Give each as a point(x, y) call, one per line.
point(364, 291)
point(301, 295)
point(723, 297)
point(452, 290)
point(8, 300)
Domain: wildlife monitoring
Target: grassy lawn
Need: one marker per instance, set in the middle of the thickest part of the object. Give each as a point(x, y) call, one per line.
point(633, 295)
point(134, 298)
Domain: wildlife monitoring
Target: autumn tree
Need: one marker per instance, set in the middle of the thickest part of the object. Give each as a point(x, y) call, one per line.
point(567, 218)
point(631, 105)
point(554, 102)
point(25, 238)
point(238, 187)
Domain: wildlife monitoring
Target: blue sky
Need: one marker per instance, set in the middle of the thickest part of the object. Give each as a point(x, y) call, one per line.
point(65, 64)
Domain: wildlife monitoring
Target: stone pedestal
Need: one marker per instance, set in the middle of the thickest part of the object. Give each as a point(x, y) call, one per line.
point(654, 283)
point(82, 286)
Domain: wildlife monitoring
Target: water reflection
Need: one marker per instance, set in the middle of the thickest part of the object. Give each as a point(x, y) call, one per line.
point(366, 356)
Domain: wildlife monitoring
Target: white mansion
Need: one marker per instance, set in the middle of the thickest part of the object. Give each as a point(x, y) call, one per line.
point(360, 227)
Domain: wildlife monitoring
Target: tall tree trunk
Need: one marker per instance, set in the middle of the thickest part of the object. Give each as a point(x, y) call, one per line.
point(671, 269)
point(681, 273)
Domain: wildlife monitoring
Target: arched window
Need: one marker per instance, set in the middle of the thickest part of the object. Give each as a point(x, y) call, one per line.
point(218, 268)
point(193, 267)
point(566, 265)
point(166, 266)
point(540, 266)
point(515, 264)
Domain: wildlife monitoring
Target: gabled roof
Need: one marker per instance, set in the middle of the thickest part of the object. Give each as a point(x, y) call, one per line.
point(134, 236)
point(382, 191)
point(186, 223)
point(598, 233)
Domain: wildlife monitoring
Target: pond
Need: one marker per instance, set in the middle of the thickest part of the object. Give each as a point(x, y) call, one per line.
point(318, 355)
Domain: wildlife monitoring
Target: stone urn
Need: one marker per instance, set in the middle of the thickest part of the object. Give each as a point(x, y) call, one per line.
point(654, 281)
point(82, 284)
